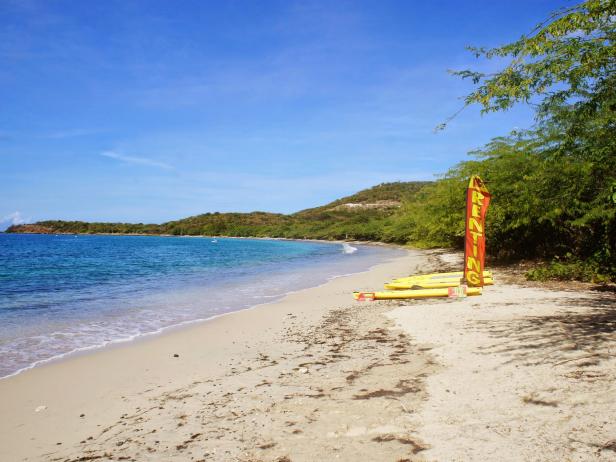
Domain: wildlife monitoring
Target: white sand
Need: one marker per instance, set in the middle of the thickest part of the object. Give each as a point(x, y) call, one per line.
point(529, 375)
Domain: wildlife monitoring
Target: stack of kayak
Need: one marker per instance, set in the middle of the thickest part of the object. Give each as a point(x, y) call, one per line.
point(426, 286)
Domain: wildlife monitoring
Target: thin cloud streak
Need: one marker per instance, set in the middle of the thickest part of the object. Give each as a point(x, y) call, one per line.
point(136, 160)
point(72, 133)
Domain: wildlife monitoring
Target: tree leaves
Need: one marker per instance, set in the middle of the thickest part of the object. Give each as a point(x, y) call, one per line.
point(553, 185)
point(559, 61)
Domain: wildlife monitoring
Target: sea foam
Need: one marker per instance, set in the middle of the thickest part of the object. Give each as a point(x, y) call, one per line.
point(348, 249)
point(60, 295)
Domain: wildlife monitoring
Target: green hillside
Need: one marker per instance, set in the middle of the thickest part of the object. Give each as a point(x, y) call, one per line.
point(383, 196)
point(360, 216)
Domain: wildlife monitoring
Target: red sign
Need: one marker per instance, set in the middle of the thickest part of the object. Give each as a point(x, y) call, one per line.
point(477, 202)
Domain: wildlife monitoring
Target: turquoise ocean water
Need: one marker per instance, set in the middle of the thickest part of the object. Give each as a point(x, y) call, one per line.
point(65, 293)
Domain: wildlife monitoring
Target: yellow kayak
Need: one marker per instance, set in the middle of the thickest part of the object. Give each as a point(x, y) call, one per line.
point(420, 293)
point(438, 276)
point(429, 284)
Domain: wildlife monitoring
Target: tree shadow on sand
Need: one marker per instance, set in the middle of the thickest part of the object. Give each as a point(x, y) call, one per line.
point(579, 339)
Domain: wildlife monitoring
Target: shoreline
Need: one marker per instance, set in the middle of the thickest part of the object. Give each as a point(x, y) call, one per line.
point(522, 373)
point(114, 343)
point(111, 370)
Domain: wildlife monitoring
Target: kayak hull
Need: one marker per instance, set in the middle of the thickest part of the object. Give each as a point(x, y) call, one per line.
point(429, 284)
point(419, 293)
point(438, 276)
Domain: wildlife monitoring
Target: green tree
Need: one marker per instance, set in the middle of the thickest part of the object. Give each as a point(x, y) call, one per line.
point(570, 56)
point(565, 68)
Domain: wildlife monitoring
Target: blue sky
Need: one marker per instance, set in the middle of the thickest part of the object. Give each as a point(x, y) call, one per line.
point(146, 111)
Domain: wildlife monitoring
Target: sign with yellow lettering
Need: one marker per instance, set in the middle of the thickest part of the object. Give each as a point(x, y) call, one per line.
point(477, 202)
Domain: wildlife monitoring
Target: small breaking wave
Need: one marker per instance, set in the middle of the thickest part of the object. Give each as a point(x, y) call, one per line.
point(347, 248)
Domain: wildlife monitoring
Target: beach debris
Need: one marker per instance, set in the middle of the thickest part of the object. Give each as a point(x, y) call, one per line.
point(267, 445)
point(415, 445)
point(40, 408)
point(610, 445)
point(175, 355)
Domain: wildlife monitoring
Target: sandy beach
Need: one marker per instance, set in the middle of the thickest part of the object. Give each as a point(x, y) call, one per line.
point(520, 373)
point(527, 373)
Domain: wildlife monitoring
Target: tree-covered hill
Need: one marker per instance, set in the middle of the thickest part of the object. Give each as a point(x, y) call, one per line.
point(382, 196)
point(359, 216)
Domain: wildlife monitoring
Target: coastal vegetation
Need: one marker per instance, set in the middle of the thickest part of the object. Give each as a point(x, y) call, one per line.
point(553, 184)
point(556, 181)
point(365, 215)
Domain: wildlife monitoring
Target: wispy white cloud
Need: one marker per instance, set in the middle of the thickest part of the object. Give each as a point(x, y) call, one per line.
point(15, 218)
point(71, 133)
point(136, 160)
